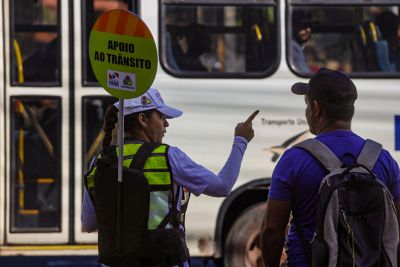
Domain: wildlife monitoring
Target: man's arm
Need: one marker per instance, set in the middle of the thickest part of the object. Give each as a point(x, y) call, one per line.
point(273, 231)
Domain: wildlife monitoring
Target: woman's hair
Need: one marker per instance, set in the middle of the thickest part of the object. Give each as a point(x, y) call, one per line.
point(130, 123)
point(110, 119)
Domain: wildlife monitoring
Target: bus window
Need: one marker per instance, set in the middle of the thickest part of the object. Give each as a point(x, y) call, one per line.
point(219, 38)
point(94, 109)
point(36, 166)
point(92, 10)
point(35, 42)
point(360, 40)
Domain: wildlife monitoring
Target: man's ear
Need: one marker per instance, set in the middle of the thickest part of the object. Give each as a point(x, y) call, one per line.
point(317, 110)
point(143, 121)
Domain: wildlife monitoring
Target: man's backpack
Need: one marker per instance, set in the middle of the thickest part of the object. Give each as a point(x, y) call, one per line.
point(356, 223)
point(128, 242)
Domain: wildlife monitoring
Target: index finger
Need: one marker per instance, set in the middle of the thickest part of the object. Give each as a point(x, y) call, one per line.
point(252, 116)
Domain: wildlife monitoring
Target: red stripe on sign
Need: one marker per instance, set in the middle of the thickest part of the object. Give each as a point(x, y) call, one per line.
point(140, 29)
point(102, 22)
point(121, 24)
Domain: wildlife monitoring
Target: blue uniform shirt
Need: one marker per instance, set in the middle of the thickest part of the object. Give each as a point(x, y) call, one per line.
point(298, 173)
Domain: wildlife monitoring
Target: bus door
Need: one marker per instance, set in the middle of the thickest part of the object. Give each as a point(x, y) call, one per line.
point(37, 118)
point(91, 101)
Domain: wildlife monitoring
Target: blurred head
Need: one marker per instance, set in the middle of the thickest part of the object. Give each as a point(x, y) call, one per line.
point(301, 25)
point(329, 96)
point(199, 41)
point(145, 117)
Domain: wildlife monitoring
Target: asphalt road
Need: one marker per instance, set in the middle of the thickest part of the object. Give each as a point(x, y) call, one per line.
point(71, 261)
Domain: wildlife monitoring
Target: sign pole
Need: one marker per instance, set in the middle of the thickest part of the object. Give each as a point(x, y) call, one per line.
point(120, 166)
point(120, 138)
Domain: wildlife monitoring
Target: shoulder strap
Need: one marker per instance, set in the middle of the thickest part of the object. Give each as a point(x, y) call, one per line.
point(142, 155)
point(322, 153)
point(369, 154)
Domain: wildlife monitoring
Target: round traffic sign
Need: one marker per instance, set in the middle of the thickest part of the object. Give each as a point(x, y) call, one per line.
point(123, 54)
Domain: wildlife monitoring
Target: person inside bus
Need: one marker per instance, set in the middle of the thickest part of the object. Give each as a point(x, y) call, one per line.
point(301, 34)
point(188, 45)
point(389, 25)
point(146, 121)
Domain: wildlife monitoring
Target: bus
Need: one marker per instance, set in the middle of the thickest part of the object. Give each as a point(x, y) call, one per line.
point(219, 60)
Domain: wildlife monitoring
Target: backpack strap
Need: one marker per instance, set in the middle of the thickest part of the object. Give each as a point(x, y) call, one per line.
point(329, 160)
point(142, 155)
point(369, 154)
point(322, 153)
point(173, 216)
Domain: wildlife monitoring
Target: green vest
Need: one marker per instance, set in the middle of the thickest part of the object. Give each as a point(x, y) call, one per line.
point(156, 170)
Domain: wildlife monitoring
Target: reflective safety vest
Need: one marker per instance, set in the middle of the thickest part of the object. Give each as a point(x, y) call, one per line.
point(133, 216)
point(157, 171)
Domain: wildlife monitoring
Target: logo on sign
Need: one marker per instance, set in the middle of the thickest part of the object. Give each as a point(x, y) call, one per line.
point(121, 80)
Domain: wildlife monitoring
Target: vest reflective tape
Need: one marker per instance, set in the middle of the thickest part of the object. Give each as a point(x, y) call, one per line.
point(90, 177)
point(155, 169)
point(131, 149)
point(158, 208)
point(158, 178)
point(157, 162)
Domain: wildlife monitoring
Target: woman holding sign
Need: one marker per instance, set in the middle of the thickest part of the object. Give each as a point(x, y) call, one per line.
point(169, 176)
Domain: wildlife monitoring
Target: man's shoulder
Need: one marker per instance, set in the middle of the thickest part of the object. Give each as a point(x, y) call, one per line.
point(386, 159)
point(295, 155)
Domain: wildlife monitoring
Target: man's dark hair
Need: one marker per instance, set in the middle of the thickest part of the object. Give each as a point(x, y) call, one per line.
point(334, 113)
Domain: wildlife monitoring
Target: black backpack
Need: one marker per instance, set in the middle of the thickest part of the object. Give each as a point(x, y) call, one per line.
point(356, 219)
point(131, 244)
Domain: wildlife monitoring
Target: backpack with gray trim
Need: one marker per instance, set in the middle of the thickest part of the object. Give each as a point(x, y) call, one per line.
point(356, 223)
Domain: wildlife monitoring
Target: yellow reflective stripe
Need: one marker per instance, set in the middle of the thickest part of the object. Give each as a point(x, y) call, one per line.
point(127, 163)
point(156, 162)
point(153, 162)
point(158, 178)
point(90, 177)
point(90, 181)
point(129, 149)
point(160, 149)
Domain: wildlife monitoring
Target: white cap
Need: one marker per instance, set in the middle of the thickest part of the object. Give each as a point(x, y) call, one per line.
point(150, 100)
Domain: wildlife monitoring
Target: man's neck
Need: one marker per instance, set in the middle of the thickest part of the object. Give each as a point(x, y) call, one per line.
point(335, 126)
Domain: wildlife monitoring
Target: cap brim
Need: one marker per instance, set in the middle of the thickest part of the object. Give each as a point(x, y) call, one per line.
point(300, 88)
point(170, 112)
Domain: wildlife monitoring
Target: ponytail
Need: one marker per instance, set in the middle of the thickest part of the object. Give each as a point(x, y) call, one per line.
point(110, 119)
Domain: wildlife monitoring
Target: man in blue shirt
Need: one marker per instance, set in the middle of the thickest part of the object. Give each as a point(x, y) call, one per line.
point(329, 97)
